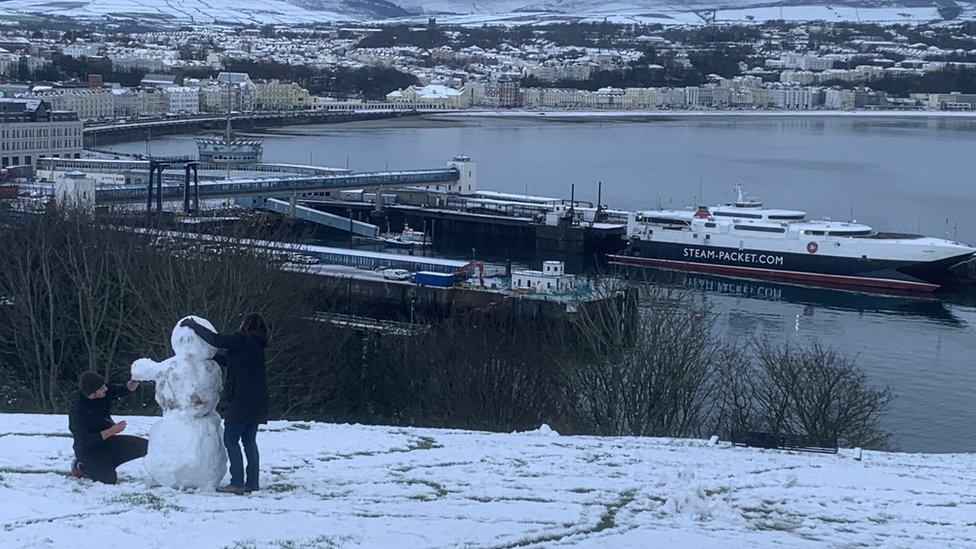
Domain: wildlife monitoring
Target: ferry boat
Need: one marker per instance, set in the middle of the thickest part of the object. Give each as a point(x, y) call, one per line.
point(408, 238)
point(745, 239)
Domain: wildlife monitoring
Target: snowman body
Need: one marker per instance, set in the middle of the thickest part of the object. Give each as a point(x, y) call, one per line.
point(186, 447)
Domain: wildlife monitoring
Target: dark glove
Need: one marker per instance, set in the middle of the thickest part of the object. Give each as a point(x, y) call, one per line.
point(188, 323)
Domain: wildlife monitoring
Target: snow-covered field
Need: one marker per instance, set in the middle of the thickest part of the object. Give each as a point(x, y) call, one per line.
point(476, 12)
point(830, 14)
point(346, 485)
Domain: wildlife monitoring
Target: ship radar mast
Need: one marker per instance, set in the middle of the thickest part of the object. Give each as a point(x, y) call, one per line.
point(741, 201)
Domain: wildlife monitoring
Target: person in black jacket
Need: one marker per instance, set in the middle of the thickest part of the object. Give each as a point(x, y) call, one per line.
point(246, 391)
point(99, 448)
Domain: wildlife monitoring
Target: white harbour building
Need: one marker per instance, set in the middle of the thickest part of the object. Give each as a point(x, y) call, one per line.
point(552, 280)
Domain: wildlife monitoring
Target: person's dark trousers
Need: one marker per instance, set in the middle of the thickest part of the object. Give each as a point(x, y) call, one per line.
point(235, 434)
point(99, 464)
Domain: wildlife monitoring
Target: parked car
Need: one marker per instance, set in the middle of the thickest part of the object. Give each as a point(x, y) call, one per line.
point(396, 274)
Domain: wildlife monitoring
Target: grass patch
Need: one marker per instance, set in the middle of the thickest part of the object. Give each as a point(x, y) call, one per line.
point(609, 518)
point(300, 427)
point(774, 526)
point(320, 541)
point(581, 490)
point(420, 443)
point(148, 501)
point(439, 490)
point(26, 471)
point(423, 443)
point(280, 487)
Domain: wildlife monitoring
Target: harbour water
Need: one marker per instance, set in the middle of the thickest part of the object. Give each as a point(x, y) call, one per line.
point(905, 174)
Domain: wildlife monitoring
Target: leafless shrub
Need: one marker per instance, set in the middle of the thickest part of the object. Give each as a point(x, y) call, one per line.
point(647, 369)
point(816, 391)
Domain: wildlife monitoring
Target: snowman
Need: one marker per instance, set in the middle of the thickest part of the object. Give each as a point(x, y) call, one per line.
point(186, 446)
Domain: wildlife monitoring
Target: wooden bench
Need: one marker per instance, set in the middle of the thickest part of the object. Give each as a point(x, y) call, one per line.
point(776, 441)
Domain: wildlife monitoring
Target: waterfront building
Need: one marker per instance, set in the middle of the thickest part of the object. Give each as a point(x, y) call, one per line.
point(952, 101)
point(275, 95)
point(432, 96)
point(551, 280)
point(29, 130)
point(504, 92)
point(87, 103)
point(838, 99)
point(794, 98)
point(182, 99)
point(235, 88)
point(152, 102)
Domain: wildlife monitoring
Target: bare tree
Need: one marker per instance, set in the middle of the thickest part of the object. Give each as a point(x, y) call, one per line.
point(816, 391)
point(35, 324)
point(648, 369)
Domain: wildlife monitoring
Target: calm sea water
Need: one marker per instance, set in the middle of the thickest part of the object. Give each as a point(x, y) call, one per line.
point(909, 174)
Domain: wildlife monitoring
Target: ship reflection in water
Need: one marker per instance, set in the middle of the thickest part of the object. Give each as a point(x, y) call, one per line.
point(918, 345)
point(813, 298)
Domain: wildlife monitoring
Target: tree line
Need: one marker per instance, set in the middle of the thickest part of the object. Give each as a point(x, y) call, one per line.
point(77, 294)
point(365, 82)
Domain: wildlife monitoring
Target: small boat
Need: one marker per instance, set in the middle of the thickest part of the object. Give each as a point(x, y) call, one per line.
point(407, 238)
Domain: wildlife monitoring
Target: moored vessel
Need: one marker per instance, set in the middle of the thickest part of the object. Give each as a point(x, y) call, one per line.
point(745, 239)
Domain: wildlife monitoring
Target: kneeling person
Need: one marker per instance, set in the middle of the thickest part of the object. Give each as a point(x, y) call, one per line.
point(99, 448)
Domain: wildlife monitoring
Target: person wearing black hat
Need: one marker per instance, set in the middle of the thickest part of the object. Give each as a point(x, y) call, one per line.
point(99, 448)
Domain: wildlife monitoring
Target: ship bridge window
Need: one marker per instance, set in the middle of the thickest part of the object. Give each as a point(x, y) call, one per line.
point(785, 217)
point(760, 229)
point(849, 233)
point(736, 214)
point(710, 225)
point(814, 233)
point(663, 221)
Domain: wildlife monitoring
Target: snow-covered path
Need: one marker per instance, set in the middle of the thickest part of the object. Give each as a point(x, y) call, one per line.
point(346, 485)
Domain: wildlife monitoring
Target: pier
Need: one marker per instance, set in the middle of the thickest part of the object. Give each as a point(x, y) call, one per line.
point(282, 185)
point(442, 202)
point(129, 131)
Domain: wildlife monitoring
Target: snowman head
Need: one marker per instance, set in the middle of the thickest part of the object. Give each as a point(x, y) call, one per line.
point(186, 342)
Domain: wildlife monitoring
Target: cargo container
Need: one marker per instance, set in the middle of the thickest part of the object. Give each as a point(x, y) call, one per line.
point(429, 278)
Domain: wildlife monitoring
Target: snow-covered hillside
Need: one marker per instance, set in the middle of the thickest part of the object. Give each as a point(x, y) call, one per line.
point(345, 485)
point(167, 12)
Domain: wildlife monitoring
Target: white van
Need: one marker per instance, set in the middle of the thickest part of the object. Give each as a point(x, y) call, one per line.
point(396, 274)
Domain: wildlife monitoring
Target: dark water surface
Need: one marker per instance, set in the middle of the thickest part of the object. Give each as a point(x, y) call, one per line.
point(908, 174)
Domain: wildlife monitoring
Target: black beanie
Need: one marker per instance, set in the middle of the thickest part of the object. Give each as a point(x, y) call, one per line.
point(90, 382)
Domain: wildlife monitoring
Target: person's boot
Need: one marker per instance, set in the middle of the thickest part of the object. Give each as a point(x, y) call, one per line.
point(231, 489)
point(76, 470)
point(248, 488)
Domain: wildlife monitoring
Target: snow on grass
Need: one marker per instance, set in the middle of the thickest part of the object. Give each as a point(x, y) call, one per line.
point(345, 485)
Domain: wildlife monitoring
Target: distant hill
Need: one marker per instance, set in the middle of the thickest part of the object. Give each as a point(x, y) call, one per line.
point(174, 12)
